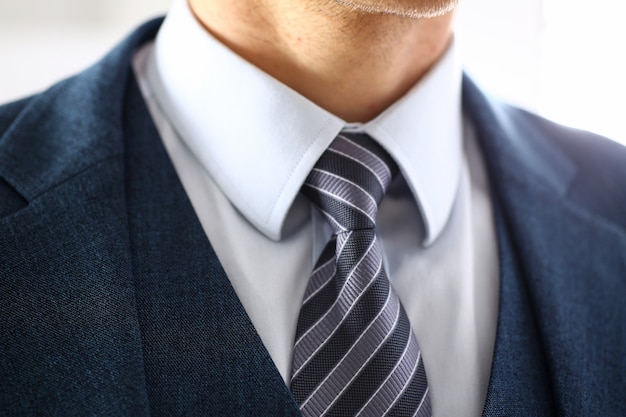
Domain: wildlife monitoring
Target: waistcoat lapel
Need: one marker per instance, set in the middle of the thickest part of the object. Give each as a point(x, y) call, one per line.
point(202, 354)
point(519, 384)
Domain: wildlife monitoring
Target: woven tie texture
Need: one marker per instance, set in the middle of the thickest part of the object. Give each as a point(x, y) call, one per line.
point(355, 353)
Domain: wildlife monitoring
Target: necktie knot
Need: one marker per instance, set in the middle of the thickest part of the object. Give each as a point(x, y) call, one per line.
point(349, 181)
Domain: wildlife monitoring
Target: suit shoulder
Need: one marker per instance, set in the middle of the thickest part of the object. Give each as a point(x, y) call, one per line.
point(599, 182)
point(581, 145)
point(9, 112)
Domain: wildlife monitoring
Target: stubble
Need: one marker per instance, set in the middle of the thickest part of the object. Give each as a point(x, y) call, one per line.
point(408, 8)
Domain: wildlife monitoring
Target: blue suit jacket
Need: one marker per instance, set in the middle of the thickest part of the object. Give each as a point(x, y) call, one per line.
point(113, 303)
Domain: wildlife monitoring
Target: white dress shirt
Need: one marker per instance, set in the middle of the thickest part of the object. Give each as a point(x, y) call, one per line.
point(242, 144)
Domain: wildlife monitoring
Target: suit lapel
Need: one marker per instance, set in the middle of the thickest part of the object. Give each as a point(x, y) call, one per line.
point(70, 342)
point(202, 353)
point(561, 269)
point(69, 336)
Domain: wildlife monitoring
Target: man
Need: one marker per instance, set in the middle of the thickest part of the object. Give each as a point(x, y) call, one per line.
point(160, 219)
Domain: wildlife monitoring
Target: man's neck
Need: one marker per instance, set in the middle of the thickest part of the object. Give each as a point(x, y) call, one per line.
point(353, 64)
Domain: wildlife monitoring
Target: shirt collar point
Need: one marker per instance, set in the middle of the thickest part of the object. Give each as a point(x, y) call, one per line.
point(432, 231)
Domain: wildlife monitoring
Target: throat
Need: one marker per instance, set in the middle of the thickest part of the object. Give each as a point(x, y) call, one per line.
point(352, 63)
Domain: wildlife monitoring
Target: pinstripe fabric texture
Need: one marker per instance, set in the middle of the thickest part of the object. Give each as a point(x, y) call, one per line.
point(355, 352)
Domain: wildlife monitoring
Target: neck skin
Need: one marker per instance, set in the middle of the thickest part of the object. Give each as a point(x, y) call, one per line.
point(353, 64)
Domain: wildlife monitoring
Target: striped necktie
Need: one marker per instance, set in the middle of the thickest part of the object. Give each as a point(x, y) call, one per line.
point(355, 352)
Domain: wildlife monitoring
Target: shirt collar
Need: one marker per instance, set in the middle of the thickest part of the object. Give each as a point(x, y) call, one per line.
point(258, 139)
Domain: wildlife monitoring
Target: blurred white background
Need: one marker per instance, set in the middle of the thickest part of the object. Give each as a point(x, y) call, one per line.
point(561, 58)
